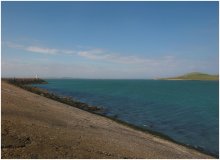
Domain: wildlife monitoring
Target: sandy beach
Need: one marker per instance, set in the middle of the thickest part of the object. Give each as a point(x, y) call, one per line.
point(37, 127)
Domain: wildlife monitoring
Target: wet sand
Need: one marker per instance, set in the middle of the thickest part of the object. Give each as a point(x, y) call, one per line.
point(33, 126)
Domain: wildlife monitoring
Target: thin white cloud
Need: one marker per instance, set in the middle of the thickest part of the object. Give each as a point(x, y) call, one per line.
point(97, 55)
point(42, 50)
point(37, 49)
point(94, 54)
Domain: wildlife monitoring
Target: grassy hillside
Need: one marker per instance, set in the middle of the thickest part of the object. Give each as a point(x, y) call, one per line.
point(194, 76)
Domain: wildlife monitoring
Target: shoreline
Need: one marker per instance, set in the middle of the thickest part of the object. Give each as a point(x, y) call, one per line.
point(173, 79)
point(145, 131)
point(155, 133)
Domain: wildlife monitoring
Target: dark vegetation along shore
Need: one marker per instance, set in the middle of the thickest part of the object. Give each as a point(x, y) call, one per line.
point(24, 84)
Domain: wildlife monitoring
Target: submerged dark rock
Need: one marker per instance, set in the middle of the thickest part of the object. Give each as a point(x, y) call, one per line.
point(94, 108)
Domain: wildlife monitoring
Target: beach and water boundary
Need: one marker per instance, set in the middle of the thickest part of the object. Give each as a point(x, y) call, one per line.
point(96, 111)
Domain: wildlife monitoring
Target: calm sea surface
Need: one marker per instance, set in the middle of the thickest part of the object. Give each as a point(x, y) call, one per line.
point(186, 111)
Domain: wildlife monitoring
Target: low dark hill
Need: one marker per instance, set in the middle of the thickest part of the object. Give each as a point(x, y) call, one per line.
point(194, 76)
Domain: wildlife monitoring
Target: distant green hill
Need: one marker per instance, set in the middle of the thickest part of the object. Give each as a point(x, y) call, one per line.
point(194, 76)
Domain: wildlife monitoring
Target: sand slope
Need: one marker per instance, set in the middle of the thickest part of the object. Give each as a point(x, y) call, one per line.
point(36, 127)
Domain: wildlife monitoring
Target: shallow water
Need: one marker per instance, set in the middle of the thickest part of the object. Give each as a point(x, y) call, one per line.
point(186, 111)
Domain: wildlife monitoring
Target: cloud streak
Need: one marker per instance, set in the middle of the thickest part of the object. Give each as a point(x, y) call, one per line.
point(41, 50)
point(95, 55)
point(99, 54)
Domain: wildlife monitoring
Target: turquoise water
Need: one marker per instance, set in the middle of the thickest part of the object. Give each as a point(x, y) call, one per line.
point(186, 111)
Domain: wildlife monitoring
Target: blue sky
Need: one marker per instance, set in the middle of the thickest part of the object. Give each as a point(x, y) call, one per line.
point(109, 39)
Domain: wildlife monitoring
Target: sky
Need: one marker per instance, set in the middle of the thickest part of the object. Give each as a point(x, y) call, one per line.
point(125, 40)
